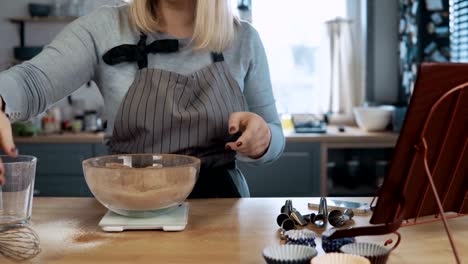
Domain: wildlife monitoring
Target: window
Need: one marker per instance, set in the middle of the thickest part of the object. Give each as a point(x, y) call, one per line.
point(292, 32)
point(459, 30)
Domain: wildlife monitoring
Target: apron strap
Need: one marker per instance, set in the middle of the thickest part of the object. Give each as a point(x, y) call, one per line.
point(140, 54)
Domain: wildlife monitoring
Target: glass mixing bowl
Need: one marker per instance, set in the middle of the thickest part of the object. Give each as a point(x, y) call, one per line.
point(141, 185)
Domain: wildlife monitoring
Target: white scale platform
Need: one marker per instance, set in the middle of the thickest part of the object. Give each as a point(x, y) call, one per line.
point(174, 220)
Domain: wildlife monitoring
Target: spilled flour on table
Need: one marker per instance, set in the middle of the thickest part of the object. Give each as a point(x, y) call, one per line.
point(60, 238)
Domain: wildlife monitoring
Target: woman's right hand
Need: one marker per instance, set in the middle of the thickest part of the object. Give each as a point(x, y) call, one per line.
point(6, 140)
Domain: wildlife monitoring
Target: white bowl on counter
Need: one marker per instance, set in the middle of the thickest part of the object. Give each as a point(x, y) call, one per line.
point(373, 118)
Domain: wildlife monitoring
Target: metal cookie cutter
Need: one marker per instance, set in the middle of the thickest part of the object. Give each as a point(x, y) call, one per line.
point(283, 220)
point(338, 219)
point(320, 219)
point(309, 217)
point(298, 218)
point(286, 210)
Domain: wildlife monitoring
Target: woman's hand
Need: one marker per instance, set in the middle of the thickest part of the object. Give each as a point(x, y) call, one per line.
point(256, 134)
point(6, 140)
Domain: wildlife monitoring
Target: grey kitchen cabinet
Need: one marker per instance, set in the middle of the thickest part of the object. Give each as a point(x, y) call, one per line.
point(311, 165)
point(295, 174)
point(59, 171)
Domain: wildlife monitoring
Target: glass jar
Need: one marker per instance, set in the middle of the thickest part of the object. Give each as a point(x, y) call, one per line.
point(16, 195)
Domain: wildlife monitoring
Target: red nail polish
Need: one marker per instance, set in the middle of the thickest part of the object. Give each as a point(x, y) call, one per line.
point(232, 129)
point(13, 150)
point(239, 144)
point(228, 147)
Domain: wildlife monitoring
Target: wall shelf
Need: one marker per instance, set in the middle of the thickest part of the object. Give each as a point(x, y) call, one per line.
point(49, 19)
point(21, 21)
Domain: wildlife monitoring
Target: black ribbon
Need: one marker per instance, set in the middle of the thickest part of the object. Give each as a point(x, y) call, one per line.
point(139, 52)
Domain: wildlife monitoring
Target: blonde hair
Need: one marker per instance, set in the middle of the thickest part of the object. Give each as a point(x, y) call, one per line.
point(213, 26)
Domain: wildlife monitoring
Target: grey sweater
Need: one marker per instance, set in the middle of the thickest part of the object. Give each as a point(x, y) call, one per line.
point(75, 57)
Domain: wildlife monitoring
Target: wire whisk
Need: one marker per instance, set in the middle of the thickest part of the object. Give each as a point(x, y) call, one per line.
point(19, 243)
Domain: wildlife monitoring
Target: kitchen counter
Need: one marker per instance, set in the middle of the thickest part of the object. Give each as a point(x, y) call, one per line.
point(351, 135)
point(219, 231)
point(65, 138)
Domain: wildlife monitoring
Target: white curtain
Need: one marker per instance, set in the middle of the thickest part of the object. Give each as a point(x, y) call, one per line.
point(340, 73)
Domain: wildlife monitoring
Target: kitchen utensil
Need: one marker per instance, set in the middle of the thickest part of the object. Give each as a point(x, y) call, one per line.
point(320, 220)
point(339, 258)
point(338, 219)
point(174, 220)
point(288, 224)
point(280, 219)
point(291, 254)
point(357, 207)
point(39, 10)
point(19, 242)
point(300, 237)
point(309, 217)
point(373, 118)
point(145, 191)
point(286, 210)
point(376, 254)
point(17, 192)
point(298, 218)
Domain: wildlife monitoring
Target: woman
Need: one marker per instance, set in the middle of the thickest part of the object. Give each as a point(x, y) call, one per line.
point(177, 76)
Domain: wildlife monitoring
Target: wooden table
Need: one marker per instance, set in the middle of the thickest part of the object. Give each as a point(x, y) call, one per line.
point(219, 231)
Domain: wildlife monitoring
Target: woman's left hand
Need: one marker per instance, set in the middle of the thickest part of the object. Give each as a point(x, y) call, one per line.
point(256, 134)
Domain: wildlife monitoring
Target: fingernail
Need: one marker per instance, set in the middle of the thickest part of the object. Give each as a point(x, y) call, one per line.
point(228, 147)
point(13, 150)
point(232, 129)
point(239, 144)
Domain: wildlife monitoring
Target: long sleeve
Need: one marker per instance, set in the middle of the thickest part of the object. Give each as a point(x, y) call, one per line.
point(60, 69)
point(259, 95)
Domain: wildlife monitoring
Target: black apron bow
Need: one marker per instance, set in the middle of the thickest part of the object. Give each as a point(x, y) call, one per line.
point(138, 53)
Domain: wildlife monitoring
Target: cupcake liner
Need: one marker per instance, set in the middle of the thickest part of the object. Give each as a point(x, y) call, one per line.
point(339, 258)
point(289, 254)
point(300, 237)
point(334, 245)
point(377, 254)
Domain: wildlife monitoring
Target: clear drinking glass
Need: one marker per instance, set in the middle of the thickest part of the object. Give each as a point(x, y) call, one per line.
point(17, 192)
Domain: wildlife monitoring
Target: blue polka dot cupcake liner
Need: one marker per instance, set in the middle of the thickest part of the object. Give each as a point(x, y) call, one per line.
point(300, 237)
point(334, 245)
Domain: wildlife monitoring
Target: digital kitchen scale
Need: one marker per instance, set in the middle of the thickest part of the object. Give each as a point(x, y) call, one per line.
point(173, 220)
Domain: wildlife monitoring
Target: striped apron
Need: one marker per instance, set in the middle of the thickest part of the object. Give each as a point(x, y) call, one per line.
point(167, 112)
